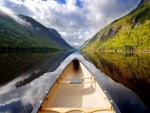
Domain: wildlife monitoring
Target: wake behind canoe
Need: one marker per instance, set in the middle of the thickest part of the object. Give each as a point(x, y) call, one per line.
point(76, 91)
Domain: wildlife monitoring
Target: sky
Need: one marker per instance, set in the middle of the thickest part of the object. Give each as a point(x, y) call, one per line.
point(76, 20)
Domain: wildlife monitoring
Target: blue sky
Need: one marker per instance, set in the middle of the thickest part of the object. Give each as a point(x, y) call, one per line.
point(76, 20)
point(61, 1)
point(78, 3)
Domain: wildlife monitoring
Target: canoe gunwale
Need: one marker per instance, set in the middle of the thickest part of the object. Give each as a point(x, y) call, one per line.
point(39, 103)
point(104, 90)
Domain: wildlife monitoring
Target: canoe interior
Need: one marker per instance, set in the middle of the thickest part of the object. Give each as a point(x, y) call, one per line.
point(76, 91)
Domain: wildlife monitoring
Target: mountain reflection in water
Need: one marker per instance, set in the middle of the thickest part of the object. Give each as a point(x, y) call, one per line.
point(29, 65)
point(24, 77)
point(131, 70)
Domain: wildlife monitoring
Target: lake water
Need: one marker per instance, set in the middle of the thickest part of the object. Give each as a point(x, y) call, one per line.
point(25, 77)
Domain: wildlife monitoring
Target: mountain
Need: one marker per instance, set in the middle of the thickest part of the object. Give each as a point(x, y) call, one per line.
point(52, 34)
point(58, 38)
point(129, 33)
point(28, 35)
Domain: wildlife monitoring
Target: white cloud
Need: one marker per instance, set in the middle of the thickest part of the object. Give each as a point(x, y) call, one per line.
point(12, 15)
point(76, 24)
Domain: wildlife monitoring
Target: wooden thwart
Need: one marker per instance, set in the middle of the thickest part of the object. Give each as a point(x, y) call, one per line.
point(75, 80)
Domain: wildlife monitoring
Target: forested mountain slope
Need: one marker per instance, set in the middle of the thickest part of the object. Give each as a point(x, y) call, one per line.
point(30, 35)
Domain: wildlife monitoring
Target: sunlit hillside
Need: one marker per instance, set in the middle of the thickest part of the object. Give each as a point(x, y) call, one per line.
point(130, 33)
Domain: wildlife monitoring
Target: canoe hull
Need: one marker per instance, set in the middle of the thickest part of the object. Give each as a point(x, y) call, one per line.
point(76, 91)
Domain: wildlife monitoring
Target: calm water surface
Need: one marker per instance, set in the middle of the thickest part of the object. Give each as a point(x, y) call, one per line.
point(25, 77)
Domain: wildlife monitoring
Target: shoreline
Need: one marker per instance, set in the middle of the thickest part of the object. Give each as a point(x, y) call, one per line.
point(126, 52)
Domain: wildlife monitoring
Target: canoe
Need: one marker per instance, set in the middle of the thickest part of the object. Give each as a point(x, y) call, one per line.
point(76, 91)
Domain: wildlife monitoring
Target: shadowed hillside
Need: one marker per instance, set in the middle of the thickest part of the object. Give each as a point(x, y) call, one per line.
point(28, 36)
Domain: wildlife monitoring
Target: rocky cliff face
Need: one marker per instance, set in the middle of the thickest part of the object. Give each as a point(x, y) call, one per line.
point(111, 32)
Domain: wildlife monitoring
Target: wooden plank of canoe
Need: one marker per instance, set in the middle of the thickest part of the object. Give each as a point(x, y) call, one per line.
point(85, 110)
